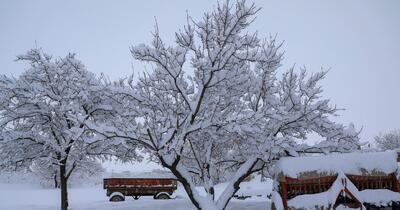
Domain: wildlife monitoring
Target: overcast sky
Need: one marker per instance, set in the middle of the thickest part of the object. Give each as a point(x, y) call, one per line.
point(358, 40)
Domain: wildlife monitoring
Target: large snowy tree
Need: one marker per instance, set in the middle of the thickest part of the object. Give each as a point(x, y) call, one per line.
point(214, 102)
point(45, 115)
point(389, 140)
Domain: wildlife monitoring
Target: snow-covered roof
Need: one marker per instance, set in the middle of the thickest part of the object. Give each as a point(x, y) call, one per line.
point(349, 163)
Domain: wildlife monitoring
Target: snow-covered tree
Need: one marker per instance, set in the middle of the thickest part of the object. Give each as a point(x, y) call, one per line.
point(389, 140)
point(45, 116)
point(49, 174)
point(214, 102)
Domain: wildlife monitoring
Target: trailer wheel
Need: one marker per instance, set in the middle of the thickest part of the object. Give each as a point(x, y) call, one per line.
point(162, 196)
point(117, 197)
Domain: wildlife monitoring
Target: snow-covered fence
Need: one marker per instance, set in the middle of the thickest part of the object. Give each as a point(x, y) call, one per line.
point(354, 180)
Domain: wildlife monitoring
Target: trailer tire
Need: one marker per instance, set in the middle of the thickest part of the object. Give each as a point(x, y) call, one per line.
point(162, 196)
point(117, 197)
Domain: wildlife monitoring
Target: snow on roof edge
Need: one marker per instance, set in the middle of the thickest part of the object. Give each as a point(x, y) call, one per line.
point(349, 163)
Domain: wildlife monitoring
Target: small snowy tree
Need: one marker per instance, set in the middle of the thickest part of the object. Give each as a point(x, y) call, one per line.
point(46, 113)
point(213, 103)
point(49, 174)
point(389, 140)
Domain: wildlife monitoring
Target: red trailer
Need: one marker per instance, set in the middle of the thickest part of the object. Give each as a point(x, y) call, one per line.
point(159, 188)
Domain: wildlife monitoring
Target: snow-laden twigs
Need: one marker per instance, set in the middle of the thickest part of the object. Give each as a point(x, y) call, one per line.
point(54, 114)
point(214, 108)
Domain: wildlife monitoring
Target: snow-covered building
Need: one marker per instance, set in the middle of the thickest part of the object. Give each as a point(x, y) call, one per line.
point(336, 181)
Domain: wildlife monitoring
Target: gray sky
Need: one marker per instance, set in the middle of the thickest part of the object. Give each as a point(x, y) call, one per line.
point(358, 39)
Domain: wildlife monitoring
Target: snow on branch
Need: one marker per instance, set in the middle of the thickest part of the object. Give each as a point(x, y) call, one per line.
point(217, 107)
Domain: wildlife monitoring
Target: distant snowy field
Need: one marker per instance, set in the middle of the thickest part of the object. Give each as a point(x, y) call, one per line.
point(32, 197)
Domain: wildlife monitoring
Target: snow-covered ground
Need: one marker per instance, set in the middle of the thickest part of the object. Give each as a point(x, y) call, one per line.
point(32, 197)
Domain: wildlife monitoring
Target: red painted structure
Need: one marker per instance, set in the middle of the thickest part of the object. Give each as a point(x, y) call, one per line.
point(160, 188)
point(291, 187)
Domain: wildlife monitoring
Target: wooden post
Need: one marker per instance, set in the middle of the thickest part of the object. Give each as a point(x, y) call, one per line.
point(284, 193)
point(396, 183)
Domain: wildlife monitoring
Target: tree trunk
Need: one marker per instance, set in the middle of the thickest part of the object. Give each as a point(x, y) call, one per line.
point(64, 192)
point(198, 201)
point(56, 184)
point(182, 180)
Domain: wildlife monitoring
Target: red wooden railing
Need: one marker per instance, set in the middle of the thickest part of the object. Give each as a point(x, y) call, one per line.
point(290, 187)
point(375, 182)
point(296, 187)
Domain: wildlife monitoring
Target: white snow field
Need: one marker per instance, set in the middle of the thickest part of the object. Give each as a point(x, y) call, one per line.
point(32, 197)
